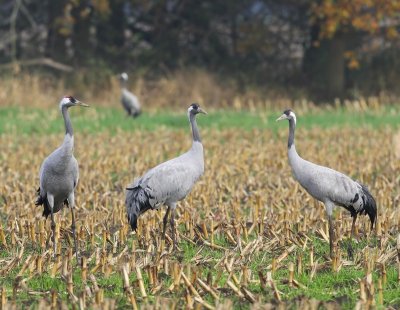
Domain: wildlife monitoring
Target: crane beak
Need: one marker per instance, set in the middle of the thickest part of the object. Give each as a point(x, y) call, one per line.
point(82, 104)
point(283, 116)
point(202, 111)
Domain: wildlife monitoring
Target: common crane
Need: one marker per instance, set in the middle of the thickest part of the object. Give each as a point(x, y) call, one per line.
point(129, 101)
point(329, 186)
point(59, 175)
point(169, 182)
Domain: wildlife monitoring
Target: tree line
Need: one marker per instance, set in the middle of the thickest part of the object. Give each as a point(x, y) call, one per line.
point(330, 48)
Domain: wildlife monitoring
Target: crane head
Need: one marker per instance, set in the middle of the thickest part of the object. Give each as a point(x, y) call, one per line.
point(124, 76)
point(287, 114)
point(69, 101)
point(194, 109)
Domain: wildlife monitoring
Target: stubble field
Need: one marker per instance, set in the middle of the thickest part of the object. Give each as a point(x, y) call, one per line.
point(249, 236)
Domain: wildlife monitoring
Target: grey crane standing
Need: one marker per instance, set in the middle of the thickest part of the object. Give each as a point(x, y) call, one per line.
point(169, 182)
point(329, 186)
point(59, 174)
point(129, 101)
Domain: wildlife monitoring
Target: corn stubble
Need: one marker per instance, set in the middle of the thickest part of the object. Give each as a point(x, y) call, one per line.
point(246, 211)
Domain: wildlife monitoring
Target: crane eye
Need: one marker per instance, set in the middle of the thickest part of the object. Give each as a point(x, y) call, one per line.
point(287, 112)
point(70, 98)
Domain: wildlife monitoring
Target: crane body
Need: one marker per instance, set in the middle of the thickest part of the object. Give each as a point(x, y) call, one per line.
point(169, 182)
point(59, 175)
point(331, 187)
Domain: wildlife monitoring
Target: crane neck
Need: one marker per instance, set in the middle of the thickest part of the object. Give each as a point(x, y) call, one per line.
point(195, 130)
point(123, 84)
point(292, 128)
point(67, 121)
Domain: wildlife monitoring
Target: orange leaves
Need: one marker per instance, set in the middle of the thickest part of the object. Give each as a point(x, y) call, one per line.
point(364, 15)
point(67, 20)
point(352, 62)
point(331, 26)
point(102, 7)
point(374, 17)
point(391, 33)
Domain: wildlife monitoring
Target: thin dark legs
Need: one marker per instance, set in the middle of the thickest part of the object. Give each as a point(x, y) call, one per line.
point(165, 221)
point(73, 228)
point(350, 250)
point(353, 226)
point(331, 236)
point(172, 220)
point(50, 200)
point(170, 209)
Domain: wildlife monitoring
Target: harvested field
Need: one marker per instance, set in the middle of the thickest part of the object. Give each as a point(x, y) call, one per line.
point(249, 235)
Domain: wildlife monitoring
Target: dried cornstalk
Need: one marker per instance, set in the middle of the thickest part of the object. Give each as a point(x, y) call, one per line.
point(94, 282)
point(231, 274)
point(398, 248)
point(380, 292)
point(53, 299)
point(84, 269)
point(208, 289)
point(291, 274)
point(231, 202)
point(25, 265)
point(127, 287)
point(3, 297)
point(203, 303)
point(189, 285)
point(262, 281)
point(284, 255)
point(235, 289)
point(70, 288)
point(99, 296)
point(3, 237)
point(141, 283)
point(248, 295)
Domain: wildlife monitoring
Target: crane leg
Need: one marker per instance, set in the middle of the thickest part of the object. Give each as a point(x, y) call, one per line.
point(353, 226)
point(350, 250)
point(172, 220)
point(73, 228)
point(50, 200)
point(331, 236)
point(165, 221)
point(329, 209)
point(53, 231)
point(71, 202)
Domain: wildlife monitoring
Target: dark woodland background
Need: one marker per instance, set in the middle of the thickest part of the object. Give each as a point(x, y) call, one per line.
point(322, 49)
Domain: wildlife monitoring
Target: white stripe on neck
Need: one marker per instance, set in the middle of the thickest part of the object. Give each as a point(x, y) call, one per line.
point(293, 116)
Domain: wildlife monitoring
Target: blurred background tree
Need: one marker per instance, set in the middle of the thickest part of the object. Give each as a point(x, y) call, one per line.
point(326, 49)
point(347, 36)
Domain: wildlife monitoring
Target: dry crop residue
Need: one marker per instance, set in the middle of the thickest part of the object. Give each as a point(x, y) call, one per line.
point(248, 233)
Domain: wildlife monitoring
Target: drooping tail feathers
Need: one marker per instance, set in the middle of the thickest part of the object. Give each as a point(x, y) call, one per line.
point(137, 202)
point(135, 113)
point(369, 205)
point(42, 200)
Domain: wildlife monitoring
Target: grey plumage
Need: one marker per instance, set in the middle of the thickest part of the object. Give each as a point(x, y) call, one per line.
point(129, 101)
point(59, 174)
point(329, 186)
point(168, 182)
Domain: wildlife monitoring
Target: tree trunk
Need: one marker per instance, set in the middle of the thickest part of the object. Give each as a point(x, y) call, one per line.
point(55, 44)
point(335, 71)
point(325, 68)
point(81, 35)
